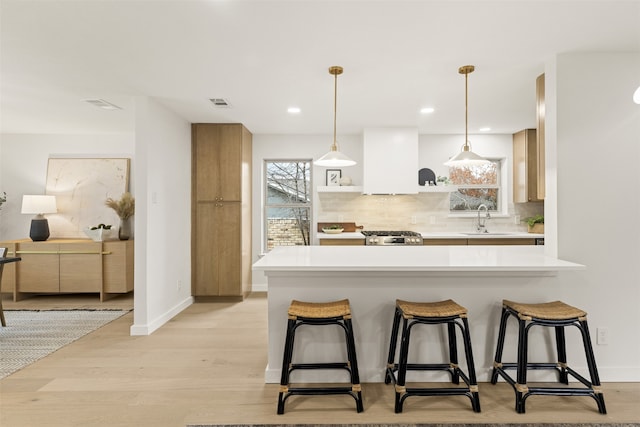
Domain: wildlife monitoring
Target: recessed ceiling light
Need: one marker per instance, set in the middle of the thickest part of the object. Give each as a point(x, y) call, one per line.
point(487, 129)
point(101, 103)
point(293, 110)
point(427, 110)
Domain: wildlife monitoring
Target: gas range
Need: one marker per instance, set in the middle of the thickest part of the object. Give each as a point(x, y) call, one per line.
point(392, 238)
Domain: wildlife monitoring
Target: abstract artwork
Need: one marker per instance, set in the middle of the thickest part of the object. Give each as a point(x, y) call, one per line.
point(81, 187)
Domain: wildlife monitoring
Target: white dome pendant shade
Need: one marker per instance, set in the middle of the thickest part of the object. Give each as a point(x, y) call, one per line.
point(466, 157)
point(335, 158)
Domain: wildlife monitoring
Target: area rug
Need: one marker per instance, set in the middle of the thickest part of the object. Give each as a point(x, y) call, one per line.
point(31, 335)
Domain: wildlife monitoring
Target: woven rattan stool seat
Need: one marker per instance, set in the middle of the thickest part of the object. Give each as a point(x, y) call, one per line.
point(556, 310)
point(446, 308)
point(319, 310)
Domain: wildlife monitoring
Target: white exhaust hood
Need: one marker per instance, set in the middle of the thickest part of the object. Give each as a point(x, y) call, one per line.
point(390, 161)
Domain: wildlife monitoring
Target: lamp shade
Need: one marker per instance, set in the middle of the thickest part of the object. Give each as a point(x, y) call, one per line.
point(466, 157)
point(39, 204)
point(334, 158)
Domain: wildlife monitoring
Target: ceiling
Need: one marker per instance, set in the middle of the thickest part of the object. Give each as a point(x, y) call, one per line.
point(264, 56)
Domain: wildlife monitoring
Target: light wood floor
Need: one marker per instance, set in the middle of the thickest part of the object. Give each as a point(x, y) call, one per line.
point(207, 366)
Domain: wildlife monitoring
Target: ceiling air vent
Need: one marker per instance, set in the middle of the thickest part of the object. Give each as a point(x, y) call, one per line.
point(103, 104)
point(220, 103)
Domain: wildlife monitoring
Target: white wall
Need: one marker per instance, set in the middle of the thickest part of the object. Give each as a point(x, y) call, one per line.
point(163, 216)
point(23, 168)
point(598, 153)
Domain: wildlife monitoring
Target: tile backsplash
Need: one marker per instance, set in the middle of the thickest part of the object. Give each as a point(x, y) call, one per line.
point(423, 212)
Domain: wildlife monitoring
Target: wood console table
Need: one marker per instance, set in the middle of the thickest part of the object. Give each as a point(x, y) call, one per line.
point(69, 266)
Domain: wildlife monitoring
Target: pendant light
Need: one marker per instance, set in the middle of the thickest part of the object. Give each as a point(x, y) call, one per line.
point(334, 158)
point(466, 157)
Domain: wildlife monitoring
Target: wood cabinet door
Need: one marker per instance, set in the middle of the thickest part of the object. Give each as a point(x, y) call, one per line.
point(39, 269)
point(229, 253)
point(217, 257)
point(117, 266)
point(205, 275)
point(80, 267)
point(525, 166)
point(502, 241)
point(217, 152)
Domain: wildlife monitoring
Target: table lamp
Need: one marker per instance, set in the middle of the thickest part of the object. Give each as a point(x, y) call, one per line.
point(39, 205)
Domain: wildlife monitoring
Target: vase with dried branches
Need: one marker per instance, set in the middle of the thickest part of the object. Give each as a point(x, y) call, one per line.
point(124, 208)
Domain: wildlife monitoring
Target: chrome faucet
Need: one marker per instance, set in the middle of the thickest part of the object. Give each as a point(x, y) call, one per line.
point(480, 226)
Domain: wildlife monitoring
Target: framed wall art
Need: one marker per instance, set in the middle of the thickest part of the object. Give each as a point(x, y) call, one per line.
point(81, 187)
point(333, 176)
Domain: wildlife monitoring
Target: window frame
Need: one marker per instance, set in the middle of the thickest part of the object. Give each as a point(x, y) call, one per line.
point(502, 186)
point(266, 206)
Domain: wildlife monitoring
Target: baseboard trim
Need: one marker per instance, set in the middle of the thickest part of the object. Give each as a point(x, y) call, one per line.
point(158, 322)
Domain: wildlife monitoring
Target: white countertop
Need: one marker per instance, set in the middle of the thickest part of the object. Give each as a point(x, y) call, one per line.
point(447, 259)
point(446, 235)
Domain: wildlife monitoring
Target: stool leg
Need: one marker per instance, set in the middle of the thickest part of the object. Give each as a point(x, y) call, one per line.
point(392, 346)
point(453, 352)
point(286, 362)
point(522, 365)
point(591, 363)
point(500, 346)
point(562, 354)
point(402, 365)
point(353, 362)
point(473, 383)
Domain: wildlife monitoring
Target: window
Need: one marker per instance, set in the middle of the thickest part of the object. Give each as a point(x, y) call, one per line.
point(287, 208)
point(477, 185)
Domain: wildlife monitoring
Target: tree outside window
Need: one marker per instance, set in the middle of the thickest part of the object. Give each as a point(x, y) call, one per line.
point(477, 185)
point(288, 203)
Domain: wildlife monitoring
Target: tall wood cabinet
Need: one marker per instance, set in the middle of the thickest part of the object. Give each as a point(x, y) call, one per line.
point(221, 198)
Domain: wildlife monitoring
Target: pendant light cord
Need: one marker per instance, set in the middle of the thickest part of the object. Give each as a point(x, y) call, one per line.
point(466, 110)
point(335, 111)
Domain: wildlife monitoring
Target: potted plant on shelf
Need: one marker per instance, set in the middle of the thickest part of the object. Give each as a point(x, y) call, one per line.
point(443, 180)
point(535, 224)
point(125, 208)
point(99, 232)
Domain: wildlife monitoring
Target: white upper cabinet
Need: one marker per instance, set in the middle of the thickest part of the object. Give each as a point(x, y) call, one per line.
point(390, 161)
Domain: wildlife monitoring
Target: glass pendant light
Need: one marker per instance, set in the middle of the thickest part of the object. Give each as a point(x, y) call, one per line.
point(466, 157)
point(334, 158)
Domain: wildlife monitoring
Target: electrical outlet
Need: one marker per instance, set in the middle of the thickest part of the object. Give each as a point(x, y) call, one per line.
point(602, 336)
point(414, 220)
point(516, 219)
point(432, 220)
point(179, 284)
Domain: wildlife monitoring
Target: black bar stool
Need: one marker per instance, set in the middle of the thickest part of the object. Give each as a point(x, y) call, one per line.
point(551, 314)
point(431, 313)
point(328, 313)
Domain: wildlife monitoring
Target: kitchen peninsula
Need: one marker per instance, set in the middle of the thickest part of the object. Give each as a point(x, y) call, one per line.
point(372, 278)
